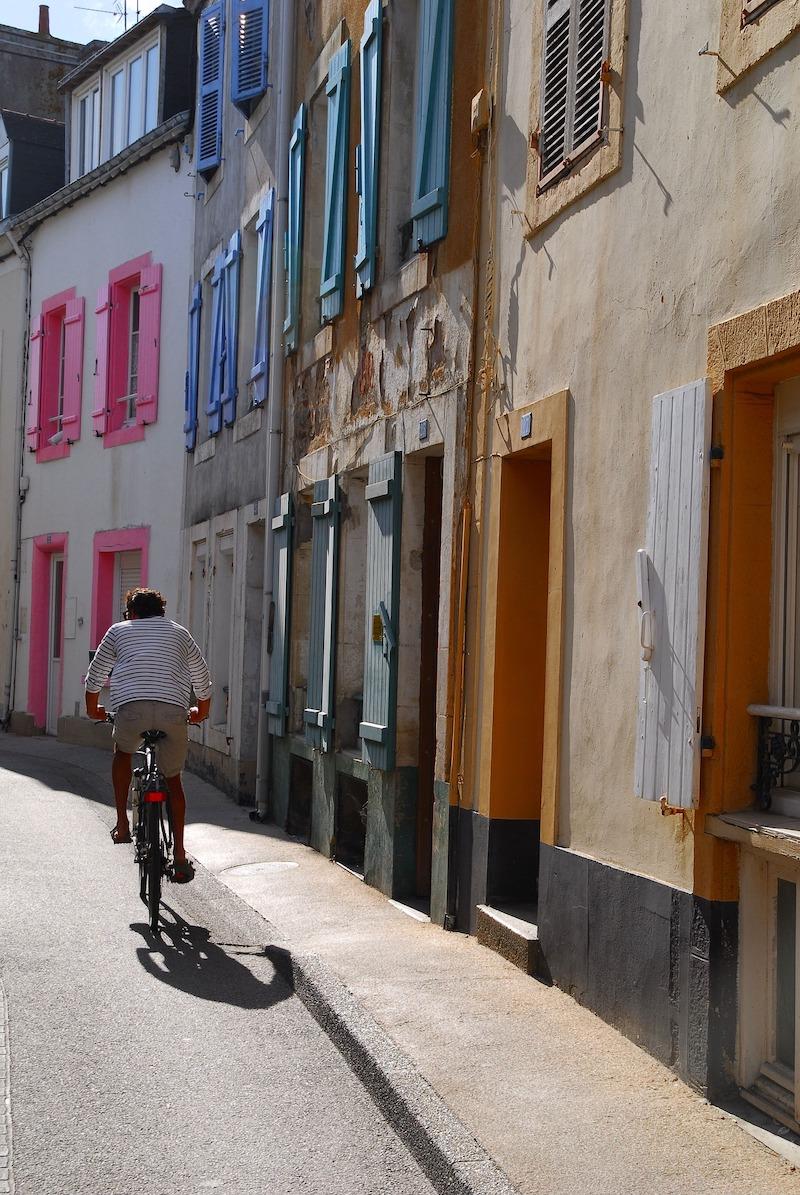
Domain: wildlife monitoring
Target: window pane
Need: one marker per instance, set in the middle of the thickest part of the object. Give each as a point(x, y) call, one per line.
point(95, 109)
point(117, 112)
point(151, 102)
point(133, 356)
point(3, 190)
point(58, 604)
point(135, 100)
point(82, 121)
point(786, 915)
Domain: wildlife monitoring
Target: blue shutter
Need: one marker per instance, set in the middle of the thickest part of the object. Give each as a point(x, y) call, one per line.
point(210, 72)
point(278, 641)
point(217, 356)
point(250, 52)
point(335, 230)
point(230, 281)
point(432, 157)
point(319, 713)
point(259, 374)
point(293, 244)
point(193, 368)
point(382, 600)
point(368, 150)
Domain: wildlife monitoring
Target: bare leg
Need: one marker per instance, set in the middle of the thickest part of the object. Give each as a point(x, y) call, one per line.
point(121, 777)
point(177, 807)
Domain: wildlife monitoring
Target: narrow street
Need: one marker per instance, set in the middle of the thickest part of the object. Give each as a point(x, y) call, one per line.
point(148, 1066)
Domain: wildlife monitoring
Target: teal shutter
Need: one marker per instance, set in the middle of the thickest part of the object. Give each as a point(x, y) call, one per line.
point(250, 52)
point(193, 369)
point(293, 243)
point(335, 229)
point(210, 73)
point(259, 374)
point(368, 150)
point(319, 712)
point(278, 642)
point(217, 358)
point(230, 389)
point(382, 600)
point(432, 156)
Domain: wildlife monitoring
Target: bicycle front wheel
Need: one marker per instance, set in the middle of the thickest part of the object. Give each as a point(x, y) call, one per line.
point(153, 864)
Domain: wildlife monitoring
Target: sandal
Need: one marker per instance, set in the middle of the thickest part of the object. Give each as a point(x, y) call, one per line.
point(182, 871)
point(120, 839)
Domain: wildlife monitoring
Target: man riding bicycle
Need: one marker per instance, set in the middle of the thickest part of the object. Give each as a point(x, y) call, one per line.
point(154, 665)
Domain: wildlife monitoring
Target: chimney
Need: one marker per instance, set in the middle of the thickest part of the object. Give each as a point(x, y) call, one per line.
point(44, 20)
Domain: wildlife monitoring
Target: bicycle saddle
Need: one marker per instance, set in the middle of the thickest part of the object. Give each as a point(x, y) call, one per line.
point(151, 737)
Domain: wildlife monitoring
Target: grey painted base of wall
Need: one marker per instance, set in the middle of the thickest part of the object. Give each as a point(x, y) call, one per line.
point(657, 963)
point(497, 861)
point(235, 777)
point(83, 732)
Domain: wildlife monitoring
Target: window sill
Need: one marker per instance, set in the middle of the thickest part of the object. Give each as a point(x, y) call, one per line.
point(763, 831)
point(743, 47)
point(52, 452)
point(317, 349)
point(410, 279)
point(205, 451)
point(123, 435)
point(248, 425)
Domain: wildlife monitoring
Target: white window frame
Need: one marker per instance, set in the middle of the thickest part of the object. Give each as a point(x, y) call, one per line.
point(5, 176)
point(93, 87)
point(123, 63)
point(130, 398)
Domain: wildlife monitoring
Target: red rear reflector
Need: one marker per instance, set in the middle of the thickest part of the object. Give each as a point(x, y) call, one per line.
point(154, 798)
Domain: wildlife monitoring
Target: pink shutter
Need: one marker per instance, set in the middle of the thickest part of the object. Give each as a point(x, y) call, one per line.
point(73, 369)
point(149, 343)
point(102, 339)
point(34, 382)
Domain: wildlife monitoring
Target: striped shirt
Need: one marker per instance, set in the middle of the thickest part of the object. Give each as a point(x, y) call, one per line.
point(153, 659)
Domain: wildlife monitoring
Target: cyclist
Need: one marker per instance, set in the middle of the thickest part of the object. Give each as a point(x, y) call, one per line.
point(154, 665)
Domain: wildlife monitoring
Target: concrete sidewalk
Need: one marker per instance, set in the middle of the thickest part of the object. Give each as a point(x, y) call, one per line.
point(562, 1102)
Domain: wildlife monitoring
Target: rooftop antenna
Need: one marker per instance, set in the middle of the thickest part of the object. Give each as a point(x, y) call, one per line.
point(119, 11)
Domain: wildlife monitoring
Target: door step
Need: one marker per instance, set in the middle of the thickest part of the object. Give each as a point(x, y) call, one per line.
point(513, 936)
point(772, 1094)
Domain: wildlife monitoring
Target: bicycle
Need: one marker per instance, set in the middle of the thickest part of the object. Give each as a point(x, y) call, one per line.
point(152, 825)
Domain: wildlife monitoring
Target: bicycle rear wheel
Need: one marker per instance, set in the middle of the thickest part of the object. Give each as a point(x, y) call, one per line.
point(153, 864)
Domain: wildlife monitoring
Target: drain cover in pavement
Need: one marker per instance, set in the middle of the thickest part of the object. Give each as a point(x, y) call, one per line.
point(253, 869)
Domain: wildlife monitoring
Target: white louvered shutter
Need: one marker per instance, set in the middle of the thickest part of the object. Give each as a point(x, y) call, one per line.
point(129, 576)
point(575, 46)
point(555, 85)
point(589, 54)
point(672, 588)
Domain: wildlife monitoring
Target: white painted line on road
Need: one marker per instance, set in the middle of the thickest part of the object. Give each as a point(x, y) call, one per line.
point(6, 1166)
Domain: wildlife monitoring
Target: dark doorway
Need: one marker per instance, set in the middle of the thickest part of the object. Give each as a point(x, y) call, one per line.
point(301, 784)
point(351, 823)
point(429, 647)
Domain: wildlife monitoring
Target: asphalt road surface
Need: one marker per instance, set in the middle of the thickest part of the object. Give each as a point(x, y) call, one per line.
point(141, 1065)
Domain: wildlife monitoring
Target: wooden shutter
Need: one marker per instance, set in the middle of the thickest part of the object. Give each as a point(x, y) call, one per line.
point(282, 524)
point(432, 163)
point(129, 576)
point(587, 116)
point(102, 340)
point(210, 75)
point(149, 344)
point(335, 225)
point(672, 591)
point(230, 282)
point(193, 369)
point(368, 149)
point(215, 365)
point(293, 243)
point(259, 374)
point(250, 52)
point(73, 369)
point(555, 86)
point(319, 713)
point(32, 433)
point(575, 46)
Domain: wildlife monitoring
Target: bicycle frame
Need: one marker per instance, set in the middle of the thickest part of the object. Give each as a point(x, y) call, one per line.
point(152, 828)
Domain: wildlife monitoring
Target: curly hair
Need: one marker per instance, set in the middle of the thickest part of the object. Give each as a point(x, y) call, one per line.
point(144, 603)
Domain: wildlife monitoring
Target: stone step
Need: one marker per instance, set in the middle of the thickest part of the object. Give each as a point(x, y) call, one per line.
point(515, 938)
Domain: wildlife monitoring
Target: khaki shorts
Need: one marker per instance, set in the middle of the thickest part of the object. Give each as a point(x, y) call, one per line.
point(134, 717)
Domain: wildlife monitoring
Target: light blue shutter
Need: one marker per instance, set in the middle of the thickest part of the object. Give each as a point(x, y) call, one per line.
point(293, 243)
point(368, 150)
point(319, 713)
point(335, 231)
point(193, 368)
point(282, 524)
point(233, 259)
point(210, 72)
point(432, 155)
point(259, 374)
point(250, 52)
point(382, 601)
point(217, 359)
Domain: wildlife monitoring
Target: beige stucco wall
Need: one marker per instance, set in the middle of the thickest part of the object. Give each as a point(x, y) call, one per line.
point(613, 301)
point(12, 325)
point(138, 484)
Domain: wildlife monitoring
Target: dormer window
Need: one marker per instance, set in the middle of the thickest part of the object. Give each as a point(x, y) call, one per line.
point(132, 89)
point(86, 135)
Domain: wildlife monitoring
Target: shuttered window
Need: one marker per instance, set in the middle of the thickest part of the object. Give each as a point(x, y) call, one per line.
point(575, 48)
point(192, 369)
point(210, 75)
point(216, 364)
point(102, 326)
point(230, 336)
point(319, 713)
point(128, 575)
point(278, 634)
point(753, 9)
point(259, 374)
point(55, 376)
point(149, 344)
point(72, 370)
point(671, 575)
point(368, 149)
point(34, 383)
point(335, 221)
point(293, 242)
point(382, 602)
point(429, 207)
point(250, 52)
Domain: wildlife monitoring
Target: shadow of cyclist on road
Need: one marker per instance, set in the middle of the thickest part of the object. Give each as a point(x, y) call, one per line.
point(184, 957)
